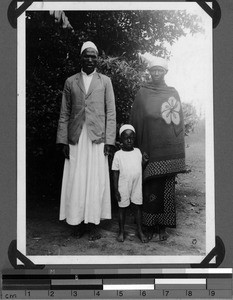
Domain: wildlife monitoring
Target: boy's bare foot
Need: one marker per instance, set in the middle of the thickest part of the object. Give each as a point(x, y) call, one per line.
point(121, 237)
point(163, 235)
point(143, 237)
point(94, 233)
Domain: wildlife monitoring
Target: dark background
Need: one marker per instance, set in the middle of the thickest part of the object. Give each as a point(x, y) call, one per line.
point(223, 55)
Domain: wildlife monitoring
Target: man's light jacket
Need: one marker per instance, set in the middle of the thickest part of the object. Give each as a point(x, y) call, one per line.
point(96, 109)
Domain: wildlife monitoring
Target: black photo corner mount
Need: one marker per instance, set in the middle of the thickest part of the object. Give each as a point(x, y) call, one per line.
point(214, 12)
point(14, 254)
point(218, 252)
point(13, 12)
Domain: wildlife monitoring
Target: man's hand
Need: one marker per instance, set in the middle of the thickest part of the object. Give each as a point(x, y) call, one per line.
point(66, 151)
point(118, 196)
point(108, 149)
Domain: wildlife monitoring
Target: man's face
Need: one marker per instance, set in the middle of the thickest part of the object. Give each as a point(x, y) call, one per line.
point(89, 60)
point(157, 73)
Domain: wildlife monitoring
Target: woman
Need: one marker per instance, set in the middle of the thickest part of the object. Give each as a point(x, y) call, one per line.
point(158, 120)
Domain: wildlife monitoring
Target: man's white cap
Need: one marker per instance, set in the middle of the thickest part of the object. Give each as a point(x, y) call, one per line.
point(88, 44)
point(125, 127)
point(153, 61)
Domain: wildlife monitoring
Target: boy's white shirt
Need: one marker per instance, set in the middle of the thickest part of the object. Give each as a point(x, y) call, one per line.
point(127, 162)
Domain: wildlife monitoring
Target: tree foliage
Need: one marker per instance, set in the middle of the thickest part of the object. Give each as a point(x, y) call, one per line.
point(127, 32)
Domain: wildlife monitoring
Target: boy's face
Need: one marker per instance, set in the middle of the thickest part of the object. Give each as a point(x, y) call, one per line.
point(127, 139)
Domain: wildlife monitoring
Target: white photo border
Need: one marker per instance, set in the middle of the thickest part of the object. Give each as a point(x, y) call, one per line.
point(21, 141)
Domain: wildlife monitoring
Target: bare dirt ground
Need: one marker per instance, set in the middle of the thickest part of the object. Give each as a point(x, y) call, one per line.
point(48, 236)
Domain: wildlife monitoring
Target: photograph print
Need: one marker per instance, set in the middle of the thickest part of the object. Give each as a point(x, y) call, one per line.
point(115, 143)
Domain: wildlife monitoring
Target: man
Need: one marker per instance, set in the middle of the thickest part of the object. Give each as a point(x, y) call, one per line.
point(87, 129)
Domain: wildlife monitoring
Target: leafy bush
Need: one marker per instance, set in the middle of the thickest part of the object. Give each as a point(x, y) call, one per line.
point(191, 117)
point(126, 78)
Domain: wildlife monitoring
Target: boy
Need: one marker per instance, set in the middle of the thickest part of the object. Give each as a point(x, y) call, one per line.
point(127, 180)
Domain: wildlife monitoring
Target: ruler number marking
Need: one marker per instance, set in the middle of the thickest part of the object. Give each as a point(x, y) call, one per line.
point(189, 293)
point(74, 293)
point(120, 293)
point(96, 293)
point(165, 293)
point(143, 293)
point(212, 293)
point(28, 293)
point(51, 293)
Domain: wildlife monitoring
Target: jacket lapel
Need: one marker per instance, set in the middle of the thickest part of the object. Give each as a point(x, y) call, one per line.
point(94, 83)
point(79, 81)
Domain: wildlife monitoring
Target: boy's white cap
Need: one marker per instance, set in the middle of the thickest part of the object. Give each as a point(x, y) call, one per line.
point(88, 44)
point(125, 127)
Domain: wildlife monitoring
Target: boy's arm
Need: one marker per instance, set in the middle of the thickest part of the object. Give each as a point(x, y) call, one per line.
point(115, 184)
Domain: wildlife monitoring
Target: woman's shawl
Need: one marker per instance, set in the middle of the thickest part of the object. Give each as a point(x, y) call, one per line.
point(159, 123)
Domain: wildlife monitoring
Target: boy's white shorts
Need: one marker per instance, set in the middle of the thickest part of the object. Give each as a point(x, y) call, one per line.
point(130, 191)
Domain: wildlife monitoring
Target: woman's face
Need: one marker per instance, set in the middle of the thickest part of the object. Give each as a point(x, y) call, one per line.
point(157, 74)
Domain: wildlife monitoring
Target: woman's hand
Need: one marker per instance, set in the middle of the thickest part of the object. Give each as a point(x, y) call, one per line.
point(145, 159)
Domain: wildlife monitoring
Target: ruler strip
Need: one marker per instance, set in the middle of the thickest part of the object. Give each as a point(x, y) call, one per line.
point(67, 271)
point(200, 281)
point(76, 282)
point(180, 287)
point(124, 287)
point(91, 275)
point(77, 287)
point(129, 281)
point(103, 294)
point(26, 287)
point(223, 284)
